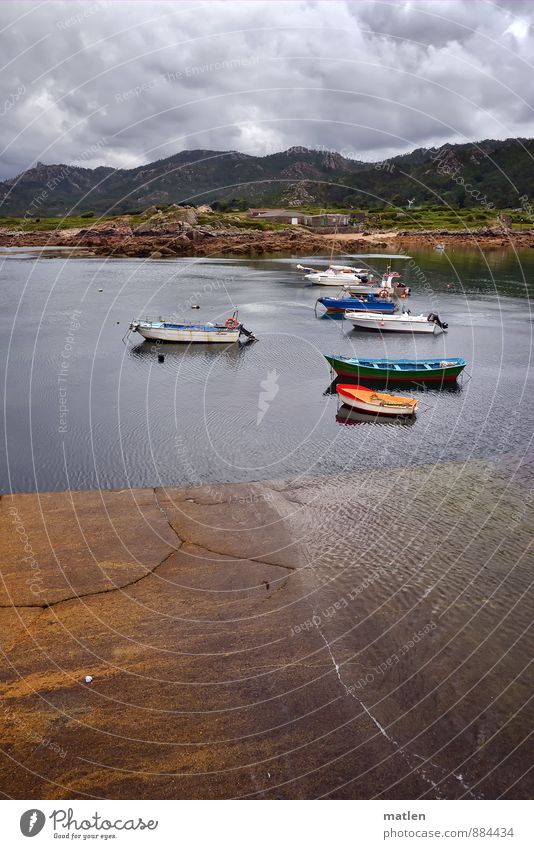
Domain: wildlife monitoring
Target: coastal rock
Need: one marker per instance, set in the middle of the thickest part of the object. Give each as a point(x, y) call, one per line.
point(76, 543)
point(159, 228)
point(173, 221)
point(184, 239)
point(262, 656)
point(116, 228)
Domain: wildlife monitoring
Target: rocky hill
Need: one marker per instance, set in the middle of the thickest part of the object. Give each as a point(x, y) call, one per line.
point(496, 173)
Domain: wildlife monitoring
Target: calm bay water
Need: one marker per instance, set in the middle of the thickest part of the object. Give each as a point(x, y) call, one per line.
point(85, 410)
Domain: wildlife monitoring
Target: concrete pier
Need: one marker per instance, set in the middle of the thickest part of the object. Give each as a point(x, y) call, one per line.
point(258, 640)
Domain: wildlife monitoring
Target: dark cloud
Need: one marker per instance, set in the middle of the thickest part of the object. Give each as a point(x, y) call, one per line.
point(125, 83)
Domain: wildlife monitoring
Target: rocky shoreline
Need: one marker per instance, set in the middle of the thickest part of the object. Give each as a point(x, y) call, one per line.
point(219, 642)
point(182, 234)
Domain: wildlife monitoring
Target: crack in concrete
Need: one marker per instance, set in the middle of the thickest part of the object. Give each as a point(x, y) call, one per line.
point(79, 596)
point(182, 536)
point(163, 511)
point(375, 721)
point(407, 756)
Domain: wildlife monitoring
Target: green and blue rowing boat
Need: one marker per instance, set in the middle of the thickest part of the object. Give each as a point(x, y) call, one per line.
point(391, 371)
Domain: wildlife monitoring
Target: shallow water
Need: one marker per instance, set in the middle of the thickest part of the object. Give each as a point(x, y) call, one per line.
point(418, 582)
point(196, 417)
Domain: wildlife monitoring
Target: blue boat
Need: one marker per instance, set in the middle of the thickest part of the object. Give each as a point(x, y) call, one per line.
point(368, 303)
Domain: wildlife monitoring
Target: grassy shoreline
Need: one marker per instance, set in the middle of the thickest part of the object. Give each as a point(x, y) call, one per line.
point(186, 231)
point(376, 221)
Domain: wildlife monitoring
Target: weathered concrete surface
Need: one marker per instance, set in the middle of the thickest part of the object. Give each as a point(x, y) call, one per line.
point(63, 545)
point(241, 642)
point(247, 522)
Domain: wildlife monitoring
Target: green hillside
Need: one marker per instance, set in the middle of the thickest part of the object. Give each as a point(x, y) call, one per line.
point(481, 176)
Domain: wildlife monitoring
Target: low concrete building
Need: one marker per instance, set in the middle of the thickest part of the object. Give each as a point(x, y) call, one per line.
point(282, 216)
point(293, 216)
point(329, 219)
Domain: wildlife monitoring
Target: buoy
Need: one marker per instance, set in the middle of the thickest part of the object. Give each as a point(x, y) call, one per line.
point(161, 358)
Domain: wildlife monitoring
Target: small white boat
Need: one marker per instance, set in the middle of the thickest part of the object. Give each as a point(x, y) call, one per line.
point(161, 330)
point(338, 275)
point(402, 323)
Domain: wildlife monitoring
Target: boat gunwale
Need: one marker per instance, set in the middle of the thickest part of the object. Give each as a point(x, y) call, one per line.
point(411, 319)
point(166, 325)
point(386, 365)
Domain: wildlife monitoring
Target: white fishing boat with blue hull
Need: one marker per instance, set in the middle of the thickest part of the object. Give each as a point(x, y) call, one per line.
point(402, 323)
point(160, 330)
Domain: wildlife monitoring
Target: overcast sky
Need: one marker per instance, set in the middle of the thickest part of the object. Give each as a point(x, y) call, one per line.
point(123, 83)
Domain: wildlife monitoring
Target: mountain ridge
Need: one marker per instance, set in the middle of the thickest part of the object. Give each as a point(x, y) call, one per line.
point(501, 172)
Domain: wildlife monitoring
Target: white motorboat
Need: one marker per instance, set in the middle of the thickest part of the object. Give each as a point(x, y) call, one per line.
point(401, 323)
point(338, 275)
point(161, 330)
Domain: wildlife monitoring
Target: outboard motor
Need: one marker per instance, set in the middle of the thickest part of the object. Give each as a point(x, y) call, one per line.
point(250, 336)
point(436, 319)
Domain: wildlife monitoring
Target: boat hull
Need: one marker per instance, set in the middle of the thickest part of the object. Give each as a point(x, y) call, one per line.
point(340, 280)
point(171, 334)
point(350, 416)
point(341, 305)
point(376, 408)
point(395, 324)
point(399, 371)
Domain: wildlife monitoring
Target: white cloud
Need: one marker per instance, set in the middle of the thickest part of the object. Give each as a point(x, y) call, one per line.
point(375, 77)
point(518, 28)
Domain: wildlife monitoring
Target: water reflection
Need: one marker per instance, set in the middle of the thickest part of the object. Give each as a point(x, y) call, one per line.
point(445, 388)
point(230, 354)
point(348, 416)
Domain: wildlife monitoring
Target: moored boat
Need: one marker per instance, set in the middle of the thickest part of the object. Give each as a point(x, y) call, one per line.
point(392, 371)
point(402, 323)
point(357, 281)
point(362, 303)
point(161, 330)
point(391, 280)
point(381, 403)
point(338, 275)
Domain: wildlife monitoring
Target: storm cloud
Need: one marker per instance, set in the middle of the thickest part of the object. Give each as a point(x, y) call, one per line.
point(124, 83)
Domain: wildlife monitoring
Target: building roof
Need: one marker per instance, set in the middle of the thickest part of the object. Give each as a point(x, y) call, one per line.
point(291, 212)
point(329, 215)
